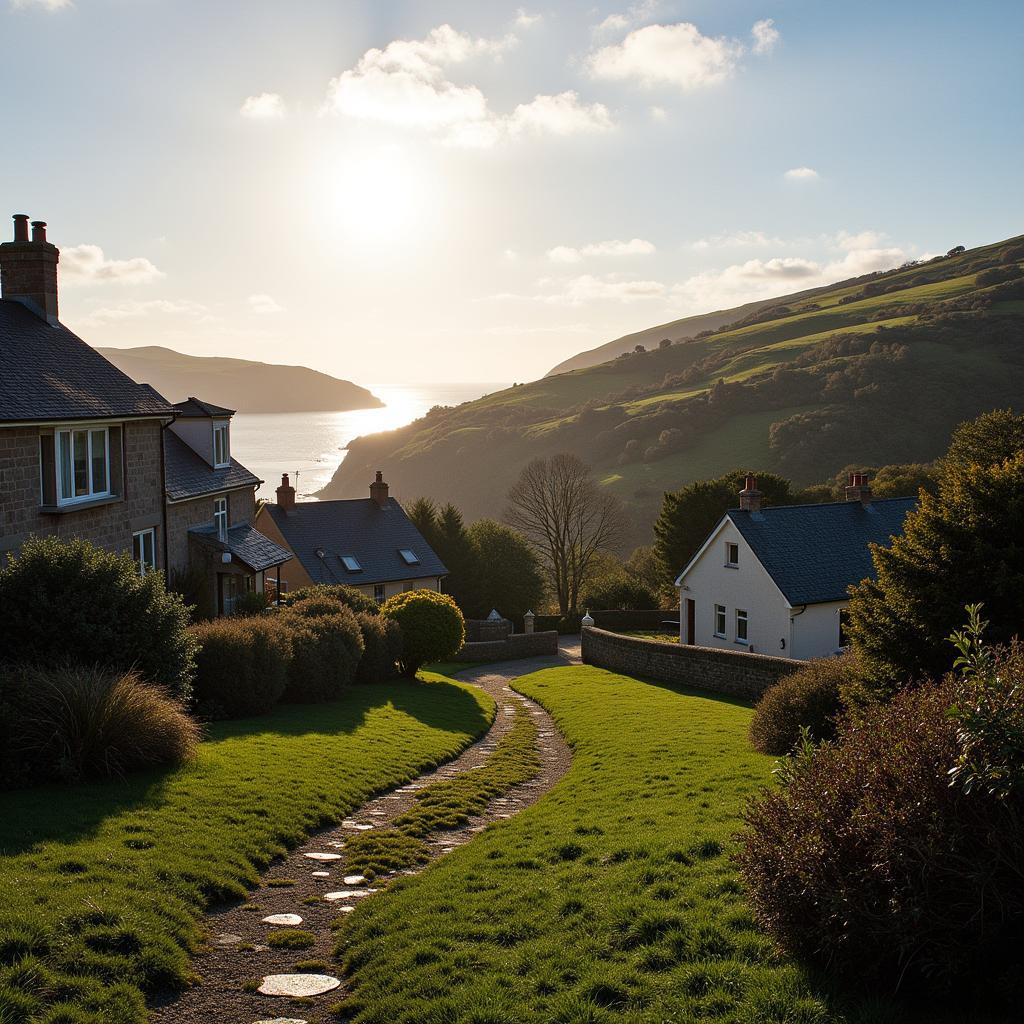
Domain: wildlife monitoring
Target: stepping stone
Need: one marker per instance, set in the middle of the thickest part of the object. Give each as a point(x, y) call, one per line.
point(355, 879)
point(346, 910)
point(317, 855)
point(348, 894)
point(280, 1020)
point(298, 986)
point(321, 874)
point(362, 828)
point(226, 939)
point(284, 920)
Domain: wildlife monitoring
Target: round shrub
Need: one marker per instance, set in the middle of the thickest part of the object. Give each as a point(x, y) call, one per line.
point(72, 723)
point(810, 698)
point(325, 653)
point(432, 627)
point(68, 601)
point(241, 665)
point(382, 648)
point(870, 860)
point(337, 593)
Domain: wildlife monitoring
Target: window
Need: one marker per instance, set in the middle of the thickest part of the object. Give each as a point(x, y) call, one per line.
point(741, 626)
point(732, 554)
point(221, 450)
point(144, 550)
point(378, 593)
point(720, 620)
point(83, 464)
point(409, 556)
point(220, 517)
point(351, 563)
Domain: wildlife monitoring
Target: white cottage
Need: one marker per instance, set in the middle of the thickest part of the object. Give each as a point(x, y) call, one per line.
point(774, 580)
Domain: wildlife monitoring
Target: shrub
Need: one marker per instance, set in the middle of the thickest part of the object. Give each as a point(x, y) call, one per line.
point(337, 592)
point(870, 860)
point(253, 602)
point(382, 648)
point(325, 653)
point(811, 698)
point(432, 627)
point(71, 723)
point(241, 666)
point(617, 589)
point(68, 601)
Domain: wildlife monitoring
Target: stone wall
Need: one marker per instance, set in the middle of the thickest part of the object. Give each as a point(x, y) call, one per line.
point(735, 673)
point(483, 630)
point(518, 645)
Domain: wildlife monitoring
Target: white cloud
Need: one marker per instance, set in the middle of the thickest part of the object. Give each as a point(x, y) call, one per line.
point(613, 247)
point(801, 174)
point(677, 55)
point(738, 240)
point(524, 19)
point(861, 240)
point(511, 255)
point(263, 304)
point(658, 114)
point(47, 5)
point(562, 114)
point(765, 34)
point(637, 14)
point(265, 106)
point(588, 288)
point(86, 264)
point(153, 307)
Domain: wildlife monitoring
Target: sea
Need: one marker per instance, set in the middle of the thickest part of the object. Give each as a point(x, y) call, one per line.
point(311, 445)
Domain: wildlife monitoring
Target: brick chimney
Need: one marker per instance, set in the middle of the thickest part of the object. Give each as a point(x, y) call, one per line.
point(379, 490)
point(285, 494)
point(28, 269)
point(858, 489)
point(750, 496)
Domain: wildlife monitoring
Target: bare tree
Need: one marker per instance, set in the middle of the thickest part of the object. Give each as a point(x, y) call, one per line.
point(567, 517)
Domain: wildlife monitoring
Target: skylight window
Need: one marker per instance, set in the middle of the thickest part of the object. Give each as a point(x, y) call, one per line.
point(409, 556)
point(351, 563)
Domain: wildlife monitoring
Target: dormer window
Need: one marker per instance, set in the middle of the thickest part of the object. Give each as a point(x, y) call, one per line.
point(409, 556)
point(221, 447)
point(351, 563)
point(732, 555)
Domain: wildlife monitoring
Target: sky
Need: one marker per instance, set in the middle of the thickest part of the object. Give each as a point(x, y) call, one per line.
point(414, 192)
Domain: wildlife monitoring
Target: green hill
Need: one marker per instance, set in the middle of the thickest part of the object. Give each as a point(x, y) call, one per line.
point(869, 371)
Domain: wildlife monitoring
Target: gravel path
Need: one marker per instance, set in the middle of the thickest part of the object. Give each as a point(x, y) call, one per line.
point(238, 953)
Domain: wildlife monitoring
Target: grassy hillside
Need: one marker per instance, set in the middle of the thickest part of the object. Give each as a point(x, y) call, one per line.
point(869, 371)
point(239, 384)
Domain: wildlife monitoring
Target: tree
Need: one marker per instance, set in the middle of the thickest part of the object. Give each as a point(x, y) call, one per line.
point(568, 519)
point(508, 573)
point(645, 566)
point(432, 627)
point(611, 585)
point(987, 440)
point(455, 549)
point(422, 514)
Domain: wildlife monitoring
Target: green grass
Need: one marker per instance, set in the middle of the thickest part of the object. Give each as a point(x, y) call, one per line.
point(104, 884)
point(290, 938)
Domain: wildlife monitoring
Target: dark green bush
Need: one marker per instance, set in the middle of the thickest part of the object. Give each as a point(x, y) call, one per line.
point(810, 698)
point(617, 589)
point(68, 601)
point(382, 648)
point(241, 665)
point(432, 627)
point(337, 593)
point(72, 723)
point(253, 602)
point(325, 654)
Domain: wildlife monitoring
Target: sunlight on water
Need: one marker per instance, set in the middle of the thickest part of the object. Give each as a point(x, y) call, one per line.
point(313, 443)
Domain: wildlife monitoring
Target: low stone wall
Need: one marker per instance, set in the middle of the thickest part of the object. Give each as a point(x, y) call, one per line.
point(518, 645)
point(705, 668)
point(618, 619)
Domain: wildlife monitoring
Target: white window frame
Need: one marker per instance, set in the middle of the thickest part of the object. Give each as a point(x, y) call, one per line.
point(58, 443)
point(409, 556)
point(220, 518)
point(741, 616)
point(730, 562)
point(380, 593)
point(140, 559)
point(225, 461)
point(720, 616)
point(354, 566)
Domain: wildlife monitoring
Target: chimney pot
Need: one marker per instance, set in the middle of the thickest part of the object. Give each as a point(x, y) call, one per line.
point(858, 489)
point(379, 490)
point(21, 227)
point(39, 231)
point(28, 269)
point(286, 494)
point(750, 496)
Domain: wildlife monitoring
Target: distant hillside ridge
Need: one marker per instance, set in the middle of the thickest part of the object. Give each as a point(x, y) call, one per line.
point(240, 384)
point(871, 371)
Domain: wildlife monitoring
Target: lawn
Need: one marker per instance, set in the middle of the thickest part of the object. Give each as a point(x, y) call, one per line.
point(104, 884)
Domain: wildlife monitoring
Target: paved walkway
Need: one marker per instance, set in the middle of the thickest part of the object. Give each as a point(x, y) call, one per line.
point(238, 953)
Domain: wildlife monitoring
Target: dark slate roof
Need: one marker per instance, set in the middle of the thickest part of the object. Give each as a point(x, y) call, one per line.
point(358, 527)
point(49, 374)
point(188, 475)
point(245, 543)
point(193, 408)
point(815, 552)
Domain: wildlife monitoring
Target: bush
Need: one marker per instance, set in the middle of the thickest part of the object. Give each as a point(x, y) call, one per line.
point(869, 859)
point(382, 648)
point(336, 592)
point(252, 602)
point(70, 602)
point(325, 654)
point(241, 665)
point(432, 627)
point(617, 589)
point(71, 723)
point(810, 698)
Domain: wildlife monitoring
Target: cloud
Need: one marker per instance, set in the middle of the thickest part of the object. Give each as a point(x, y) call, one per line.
point(524, 19)
point(766, 35)
point(613, 247)
point(86, 264)
point(738, 240)
point(562, 114)
point(585, 289)
point(154, 307)
point(801, 174)
point(861, 240)
point(637, 14)
point(46, 5)
point(266, 106)
point(263, 304)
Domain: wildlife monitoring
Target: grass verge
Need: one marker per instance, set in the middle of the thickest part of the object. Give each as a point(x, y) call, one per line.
point(104, 884)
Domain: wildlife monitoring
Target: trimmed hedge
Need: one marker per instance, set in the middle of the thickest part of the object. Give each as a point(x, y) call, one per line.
point(325, 654)
point(337, 593)
point(432, 627)
point(382, 648)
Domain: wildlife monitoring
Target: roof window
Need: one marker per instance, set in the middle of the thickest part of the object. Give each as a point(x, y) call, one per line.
point(409, 556)
point(351, 563)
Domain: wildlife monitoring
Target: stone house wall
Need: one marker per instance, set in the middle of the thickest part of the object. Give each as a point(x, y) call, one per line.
point(182, 515)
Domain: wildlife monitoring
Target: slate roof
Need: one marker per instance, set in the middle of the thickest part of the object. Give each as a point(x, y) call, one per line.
point(360, 528)
point(815, 552)
point(48, 374)
point(188, 475)
point(245, 543)
point(194, 408)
